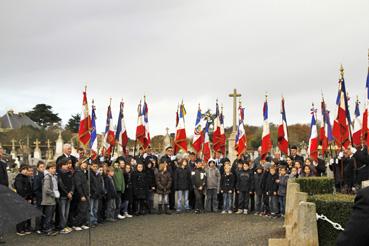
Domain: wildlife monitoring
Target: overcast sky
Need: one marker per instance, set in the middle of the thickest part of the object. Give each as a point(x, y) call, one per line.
point(170, 50)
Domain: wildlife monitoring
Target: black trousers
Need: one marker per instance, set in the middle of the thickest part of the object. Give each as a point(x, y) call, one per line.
point(172, 199)
point(243, 200)
point(81, 217)
point(199, 205)
point(139, 205)
point(191, 199)
point(48, 212)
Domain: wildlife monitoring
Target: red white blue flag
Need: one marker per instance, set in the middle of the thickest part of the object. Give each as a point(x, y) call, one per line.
point(219, 138)
point(282, 131)
point(206, 149)
point(109, 136)
point(198, 137)
point(121, 133)
point(325, 133)
point(93, 141)
point(313, 140)
point(357, 127)
point(84, 135)
point(365, 129)
point(180, 141)
point(341, 127)
point(266, 143)
point(240, 144)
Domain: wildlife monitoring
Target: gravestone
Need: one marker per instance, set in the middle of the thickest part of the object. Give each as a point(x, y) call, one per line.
point(37, 151)
point(59, 146)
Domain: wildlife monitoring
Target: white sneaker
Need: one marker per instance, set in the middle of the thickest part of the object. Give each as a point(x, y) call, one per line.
point(77, 228)
point(85, 227)
point(245, 211)
point(240, 211)
point(230, 211)
point(127, 215)
point(121, 217)
point(224, 212)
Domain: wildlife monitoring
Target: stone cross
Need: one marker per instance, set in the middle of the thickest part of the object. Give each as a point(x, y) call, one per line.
point(37, 143)
point(234, 95)
point(167, 129)
point(48, 144)
point(13, 144)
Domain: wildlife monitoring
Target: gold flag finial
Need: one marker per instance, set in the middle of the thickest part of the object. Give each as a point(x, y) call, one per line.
point(342, 71)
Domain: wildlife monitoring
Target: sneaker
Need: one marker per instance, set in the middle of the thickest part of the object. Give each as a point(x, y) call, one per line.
point(65, 231)
point(27, 232)
point(51, 233)
point(69, 229)
point(224, 212)
point(84, 227)
point(240, 211)
point(245, 211)
point(121, 217)
point(39, 232)
point(22, 233)
point(127, 215)
point(230, 211)
point(77, 228)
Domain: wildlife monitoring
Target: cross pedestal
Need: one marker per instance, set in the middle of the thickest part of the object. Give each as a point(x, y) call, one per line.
point(232, 155)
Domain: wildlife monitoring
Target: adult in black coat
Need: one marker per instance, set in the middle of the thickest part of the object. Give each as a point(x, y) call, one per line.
point(362, 164)
point(356, 231)
point(4, 180)
point(67, 153)
point(295, 157)
point(140, 188)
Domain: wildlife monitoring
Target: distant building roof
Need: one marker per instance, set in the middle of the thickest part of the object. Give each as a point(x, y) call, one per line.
point(10, 120)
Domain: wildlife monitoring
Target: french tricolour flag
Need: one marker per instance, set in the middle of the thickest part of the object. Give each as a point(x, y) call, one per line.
point(313, 140)
point(282, 131)
point(266, 143)
point(206, 149)
point(85, 123)
point(93, 141)
point(198, 137)
point(240, 145)
point(356, 133)
point(180, 141)
point(145, 113)
point(121, 132)
point(109, 137)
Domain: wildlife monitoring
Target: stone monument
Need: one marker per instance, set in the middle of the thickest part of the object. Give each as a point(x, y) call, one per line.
point(13, 153)
point(37, 151)
point(232, 155)
point(59, 146)
point(49, 153)
point(166, 141)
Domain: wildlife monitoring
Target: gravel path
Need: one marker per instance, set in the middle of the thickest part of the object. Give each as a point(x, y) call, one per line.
point(167, 230)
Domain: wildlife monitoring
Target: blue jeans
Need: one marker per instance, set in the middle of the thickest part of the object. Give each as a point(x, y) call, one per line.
point(180, 195)
point(94, 206)
point(273, 204)
point(282, 203)
point(227, 201)
point(64, 205)
point(258, 203)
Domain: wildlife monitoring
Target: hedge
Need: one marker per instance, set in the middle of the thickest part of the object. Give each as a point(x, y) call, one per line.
point(316, 185)
point(336, 207)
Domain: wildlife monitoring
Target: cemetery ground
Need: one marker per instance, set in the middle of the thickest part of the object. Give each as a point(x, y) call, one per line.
point(166, 230)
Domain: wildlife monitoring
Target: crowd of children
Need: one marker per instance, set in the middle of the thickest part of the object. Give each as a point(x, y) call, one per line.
point(79, 194)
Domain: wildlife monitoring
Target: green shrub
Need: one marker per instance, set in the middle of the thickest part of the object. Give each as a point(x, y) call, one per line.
point(316, 185)
point(337, 208)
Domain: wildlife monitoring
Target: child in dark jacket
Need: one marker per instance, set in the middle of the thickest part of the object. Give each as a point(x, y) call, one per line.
point(244, 188)
point(37, 192)
point(282, 189)
point(128, 192)
point(198, 180)
point(140, 188)
point(66, 189)
point(150, 180)
point(227, 184)
point(23, 186)
point(271, 188)
point(258, 189)
point(111, 195)
point(182, 183)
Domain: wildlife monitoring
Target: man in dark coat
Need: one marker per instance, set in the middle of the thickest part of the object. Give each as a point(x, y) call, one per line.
point(67, 153)
point(362, 167)
point(294, 156)
point(4, 180)
point(356, 232)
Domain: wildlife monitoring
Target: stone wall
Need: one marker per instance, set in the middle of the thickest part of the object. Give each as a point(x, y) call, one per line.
point(300, 219)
